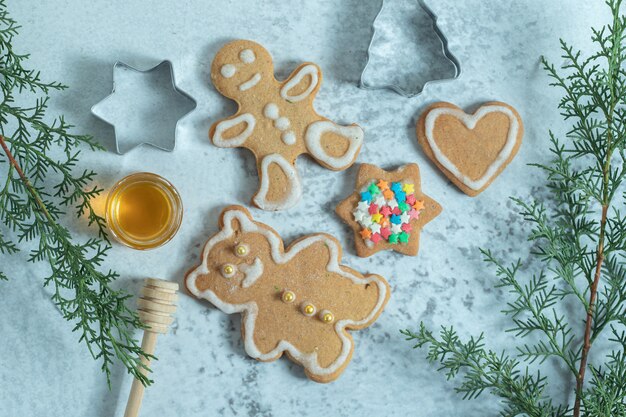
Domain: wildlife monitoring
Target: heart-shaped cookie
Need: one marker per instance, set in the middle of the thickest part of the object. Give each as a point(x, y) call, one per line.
point(470, 149)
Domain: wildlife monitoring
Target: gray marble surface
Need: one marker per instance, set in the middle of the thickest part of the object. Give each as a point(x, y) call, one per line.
point(203, 370)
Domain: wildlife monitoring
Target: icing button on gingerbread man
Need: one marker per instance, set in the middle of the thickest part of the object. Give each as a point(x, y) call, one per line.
point(277, 122)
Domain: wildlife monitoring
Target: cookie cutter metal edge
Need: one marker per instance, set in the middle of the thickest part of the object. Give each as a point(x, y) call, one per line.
point(396, 88)
point(120, 64)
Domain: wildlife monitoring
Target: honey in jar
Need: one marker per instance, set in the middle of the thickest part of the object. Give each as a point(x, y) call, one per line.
point(143, 211)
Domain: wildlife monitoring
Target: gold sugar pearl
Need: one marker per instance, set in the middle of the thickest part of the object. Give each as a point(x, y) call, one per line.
point(241, 250)
point(288, 296)
point(327, 317)
point(308, 309)
point(228, 270)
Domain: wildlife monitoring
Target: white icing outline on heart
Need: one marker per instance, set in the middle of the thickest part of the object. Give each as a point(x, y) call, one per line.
point(470, 122)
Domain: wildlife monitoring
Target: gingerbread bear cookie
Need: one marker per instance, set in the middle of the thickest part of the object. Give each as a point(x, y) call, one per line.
point(388, 210)
point(300, 301)
point(277, 122)
point(470, 149)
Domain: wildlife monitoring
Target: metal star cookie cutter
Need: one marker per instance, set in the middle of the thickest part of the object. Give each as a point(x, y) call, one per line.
point(397, 88)
point(107, 111)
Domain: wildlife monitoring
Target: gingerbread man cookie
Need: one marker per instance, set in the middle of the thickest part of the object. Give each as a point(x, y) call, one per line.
point(300, 301)
point(388, 210)
point(471, 149)
point(277, 122)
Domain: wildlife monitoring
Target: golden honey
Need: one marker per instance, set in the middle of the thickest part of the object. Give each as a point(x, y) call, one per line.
point(144, 211)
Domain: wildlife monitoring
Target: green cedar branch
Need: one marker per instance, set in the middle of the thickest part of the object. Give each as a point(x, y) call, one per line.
point(40, 183)
point(579, 237)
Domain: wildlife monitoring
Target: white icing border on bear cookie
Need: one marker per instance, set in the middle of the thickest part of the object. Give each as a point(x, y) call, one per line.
point(313, 140)
point(238, 140)
point(470, 122)
point(250, 310)
point(295, 189)
point(304, 71)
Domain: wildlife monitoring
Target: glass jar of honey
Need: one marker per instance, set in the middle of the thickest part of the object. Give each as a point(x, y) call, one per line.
point(144, 211)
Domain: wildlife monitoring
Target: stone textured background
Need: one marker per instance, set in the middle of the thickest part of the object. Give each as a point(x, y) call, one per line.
point(203, 370)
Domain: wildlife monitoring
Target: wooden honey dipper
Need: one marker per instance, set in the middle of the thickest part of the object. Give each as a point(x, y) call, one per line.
point(156, 307)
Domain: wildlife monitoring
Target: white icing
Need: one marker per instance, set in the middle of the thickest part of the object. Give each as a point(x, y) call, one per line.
point(288, 137)
point(470, 122)
point(228, 70)
point(250, 309)
point(254, 80)
point(294, 191)
point(313, 140)
point(380, 201)
point(271, 111)
point(251, 272)
point(304, 71)
point(247, 56)
point(238, 140)
point(282, 123)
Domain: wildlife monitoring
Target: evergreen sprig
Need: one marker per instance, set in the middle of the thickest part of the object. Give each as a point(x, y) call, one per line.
point(579, 239)
point(42, 182)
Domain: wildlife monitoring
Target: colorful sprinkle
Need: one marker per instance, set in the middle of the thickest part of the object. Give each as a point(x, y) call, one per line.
point(384, 222)
point(419, 205)
point(373, 189)
point(362, 206)
point(376, 238)
point(386, 210)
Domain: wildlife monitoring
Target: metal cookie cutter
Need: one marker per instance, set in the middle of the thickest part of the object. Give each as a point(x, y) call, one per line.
point(398, 88)
point(144, 107)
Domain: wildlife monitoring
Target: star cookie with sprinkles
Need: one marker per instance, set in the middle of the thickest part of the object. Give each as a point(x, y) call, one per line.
point(388, 210)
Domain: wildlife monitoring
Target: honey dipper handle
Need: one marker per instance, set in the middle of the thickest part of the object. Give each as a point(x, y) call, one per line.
point(136, 392)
